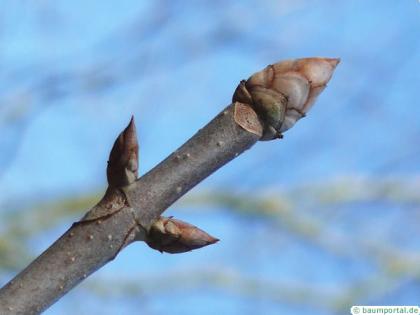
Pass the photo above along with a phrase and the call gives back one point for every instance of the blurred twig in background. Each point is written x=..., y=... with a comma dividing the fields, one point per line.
x=392, y=264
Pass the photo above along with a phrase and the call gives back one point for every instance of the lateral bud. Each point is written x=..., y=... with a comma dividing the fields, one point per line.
x=175, y=236
x=284, y=92
x=122, y=167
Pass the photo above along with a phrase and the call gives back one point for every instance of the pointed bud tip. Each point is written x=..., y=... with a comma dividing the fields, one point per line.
x=132, y=124
x=130, y=134
x=213, y=240
x=333, y=61
x=122, y=167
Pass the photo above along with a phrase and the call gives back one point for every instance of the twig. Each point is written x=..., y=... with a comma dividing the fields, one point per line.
x=263, y=107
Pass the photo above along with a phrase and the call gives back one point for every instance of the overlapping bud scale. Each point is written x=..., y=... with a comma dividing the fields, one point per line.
x=284, y=92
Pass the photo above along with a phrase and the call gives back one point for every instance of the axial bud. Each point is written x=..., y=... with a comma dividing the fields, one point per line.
x=283, y=93
x=122, y=167
x=175, y=236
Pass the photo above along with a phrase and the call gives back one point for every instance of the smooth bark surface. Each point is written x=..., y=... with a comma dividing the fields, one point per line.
x=209, y=149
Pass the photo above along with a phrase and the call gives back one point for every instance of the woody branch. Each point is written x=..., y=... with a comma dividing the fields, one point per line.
x=263, y=107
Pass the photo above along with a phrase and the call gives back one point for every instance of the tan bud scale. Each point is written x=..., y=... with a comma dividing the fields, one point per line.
x=175, y=236
x=122, y=167
x=284, y=92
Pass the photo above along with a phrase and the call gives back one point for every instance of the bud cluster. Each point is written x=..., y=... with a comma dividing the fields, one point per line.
x=284, y=92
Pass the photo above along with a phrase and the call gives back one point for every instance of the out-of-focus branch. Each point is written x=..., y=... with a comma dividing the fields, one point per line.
x=263, y=107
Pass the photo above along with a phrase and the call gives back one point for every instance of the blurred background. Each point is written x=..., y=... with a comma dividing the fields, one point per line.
x=324, y=219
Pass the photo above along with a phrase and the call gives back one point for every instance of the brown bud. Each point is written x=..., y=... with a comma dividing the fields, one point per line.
x=283, y=93
x=122, y=167
x=175, y=236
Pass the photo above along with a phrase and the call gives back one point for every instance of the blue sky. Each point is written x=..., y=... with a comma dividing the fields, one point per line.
x=72, y=74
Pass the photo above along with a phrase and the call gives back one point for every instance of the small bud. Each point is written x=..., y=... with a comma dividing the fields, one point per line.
x=122, y=167
x=283, y=93
x=175, y=236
